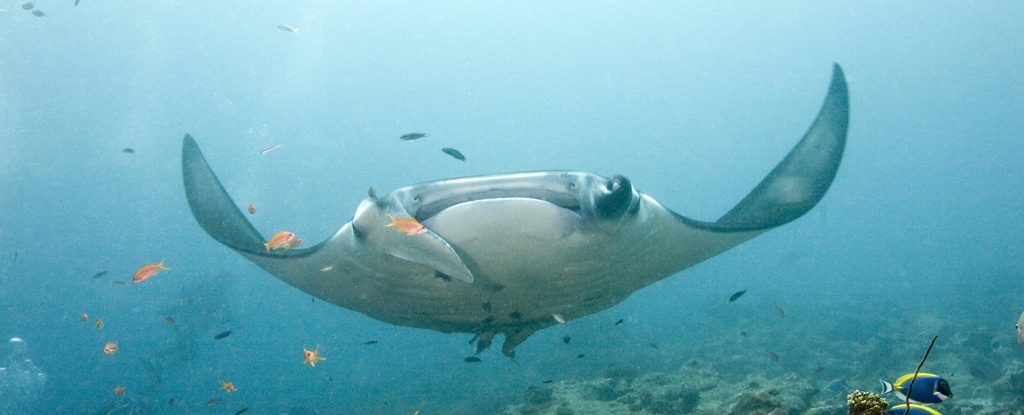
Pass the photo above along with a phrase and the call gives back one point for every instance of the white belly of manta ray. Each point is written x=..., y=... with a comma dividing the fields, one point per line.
x=513, y=254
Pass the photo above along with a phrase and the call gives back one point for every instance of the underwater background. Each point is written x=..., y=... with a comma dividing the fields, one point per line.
x=919, y=235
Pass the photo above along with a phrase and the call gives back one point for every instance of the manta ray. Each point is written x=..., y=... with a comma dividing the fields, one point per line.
x=512, y=254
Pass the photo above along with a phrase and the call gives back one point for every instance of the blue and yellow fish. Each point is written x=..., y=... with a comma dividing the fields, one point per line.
x=928, y=389
x=914, y=409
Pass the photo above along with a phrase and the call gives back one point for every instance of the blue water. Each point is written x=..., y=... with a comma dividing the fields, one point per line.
x=694, y=102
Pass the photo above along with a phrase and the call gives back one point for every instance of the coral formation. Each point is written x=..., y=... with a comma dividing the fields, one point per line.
x=866, y=403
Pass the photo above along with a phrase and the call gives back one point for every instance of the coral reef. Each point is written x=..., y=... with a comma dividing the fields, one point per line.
x=866, y=403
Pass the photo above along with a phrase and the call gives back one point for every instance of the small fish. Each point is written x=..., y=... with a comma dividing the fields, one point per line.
x=914, y=410
x=547, y=381
x=294, y=243
x=566, y=339
x=454, y=153
x=310, y=358
x=99, y=324
x=170, y=402
x=99, y=274
x=287, y=28
x=408, y=226
x=76, y=2
x=148, y=271
x=412, y=136
x=836, y=385
x=252, y=209
x=279, y=240
x=38, y=13
x=1020, y=329
x=169, y=321
x=737, y=296
x=312, y=300
x=580, y=356
x=928, y=388
x=558, y=318
x=773, y=356
x=744, y=333
x=472, y=359
x=370, y=342
x=270, y=149
x=654, y=345
x=119, y=390
x=212, y=402
x=28, y=6
x=819, y=369
x=15, y=258
x=110, y=348
x=230, y=387
x=128, y=151
x=372, y=193
x=117, y=282
x=619, y=322
x=242, y=411
x=84, y=317
x=779, y=311
x=222, y=335
x=327, y=268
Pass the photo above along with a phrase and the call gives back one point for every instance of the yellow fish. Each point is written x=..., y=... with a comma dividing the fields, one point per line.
x=408, y=226
x=310, y=358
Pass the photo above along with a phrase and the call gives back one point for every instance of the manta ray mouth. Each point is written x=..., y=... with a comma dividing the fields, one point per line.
x=585, y=195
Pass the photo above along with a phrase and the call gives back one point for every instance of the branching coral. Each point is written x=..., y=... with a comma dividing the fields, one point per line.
x=866, y=403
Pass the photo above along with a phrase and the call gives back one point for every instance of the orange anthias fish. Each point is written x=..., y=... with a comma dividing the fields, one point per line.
x=84, y=317
x=110, y=348
x=118, y=391
x=99, y=323
x=280, y=240
x=252, y=209
x=227, y=385
x=148, y=271
x=294, y=243
x=312, y=357
x=408, y=226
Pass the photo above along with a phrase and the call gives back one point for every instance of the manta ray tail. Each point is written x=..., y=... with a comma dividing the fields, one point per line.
x=801, y=179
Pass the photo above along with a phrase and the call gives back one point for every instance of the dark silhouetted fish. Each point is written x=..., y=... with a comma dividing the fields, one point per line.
x=370, y=342
x=619, y=322
x=580, y=356
x=737, y=296
x=473, y=359
x=779, y=311
x=454, y=153
x=412, y=136
x=222, y=335
x=128, y=150
x=99, y=274
x=566, y=339
x=28, y=6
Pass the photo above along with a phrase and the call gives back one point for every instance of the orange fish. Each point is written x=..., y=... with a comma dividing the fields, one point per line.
x=312, y=357
x=408, y=226
x=118, y=391
x=84, y=317
x=110, y=348
x=227, y=385
x=280, y=240
x=148, y=271
x=252, y=209
x=294, y=243
x=99, y=323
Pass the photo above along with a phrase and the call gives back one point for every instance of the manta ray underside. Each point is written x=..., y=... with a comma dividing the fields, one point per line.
x=505, y=253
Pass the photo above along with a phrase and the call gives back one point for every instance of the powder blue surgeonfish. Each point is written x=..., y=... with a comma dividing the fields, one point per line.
x=914, y=410
x=502, y=254
x=928, y=388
